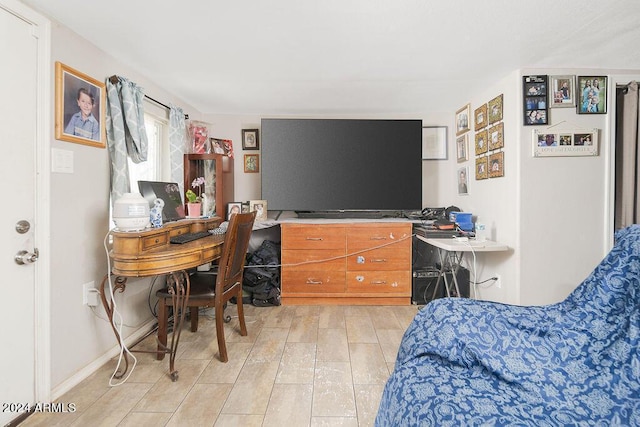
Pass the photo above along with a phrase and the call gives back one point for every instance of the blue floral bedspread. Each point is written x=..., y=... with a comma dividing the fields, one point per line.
x=477, y=363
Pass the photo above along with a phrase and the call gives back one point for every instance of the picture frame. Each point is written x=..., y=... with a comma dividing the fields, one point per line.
x=250, y=139
x=73, y=89
x=462, y=148
x=233, y=208
x=480, y=117
x=481, y=143
x=260, y=207
x=434, y=143
x=462, y=119
x=481, y=168
x=495, y=109
x=496, y=164
x=221, y=146
x=495, y=136
x=536, y=106
x=251, y=163
x=562, y=91
x=569, y=142
x=592, y=97
x=463, y=180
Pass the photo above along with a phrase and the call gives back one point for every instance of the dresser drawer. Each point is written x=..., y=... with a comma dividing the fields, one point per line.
x=397, y=282
x=312, y=282
x=305, y=236
x=385, y=235
x=388, y=258
x=150, y=242
x=323, y=259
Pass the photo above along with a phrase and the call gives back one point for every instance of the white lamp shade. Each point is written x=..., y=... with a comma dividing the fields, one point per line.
x=131, y=212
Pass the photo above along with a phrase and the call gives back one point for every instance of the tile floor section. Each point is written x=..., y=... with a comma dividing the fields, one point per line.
x=298, y=366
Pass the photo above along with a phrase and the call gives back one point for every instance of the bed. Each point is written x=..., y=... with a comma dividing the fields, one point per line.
x=464, y=362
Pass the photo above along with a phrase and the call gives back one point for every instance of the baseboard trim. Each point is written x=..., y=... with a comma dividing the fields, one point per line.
x=92, y=367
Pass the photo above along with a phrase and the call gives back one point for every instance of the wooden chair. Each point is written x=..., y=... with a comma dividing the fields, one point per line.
x=214, y=289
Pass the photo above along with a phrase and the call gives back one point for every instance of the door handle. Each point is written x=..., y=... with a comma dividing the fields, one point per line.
x=24, y=257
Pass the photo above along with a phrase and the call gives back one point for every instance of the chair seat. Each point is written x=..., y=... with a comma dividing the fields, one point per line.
x=201, y=286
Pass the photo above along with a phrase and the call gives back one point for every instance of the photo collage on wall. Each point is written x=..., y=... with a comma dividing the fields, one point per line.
x=489, y=139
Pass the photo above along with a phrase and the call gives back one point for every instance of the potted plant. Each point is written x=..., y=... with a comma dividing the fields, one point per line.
x=194, y=201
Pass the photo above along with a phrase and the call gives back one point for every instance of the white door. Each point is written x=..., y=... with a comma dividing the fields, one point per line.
x=19, y=133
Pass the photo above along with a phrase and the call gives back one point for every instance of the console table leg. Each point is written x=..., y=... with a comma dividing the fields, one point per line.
x=108, y=304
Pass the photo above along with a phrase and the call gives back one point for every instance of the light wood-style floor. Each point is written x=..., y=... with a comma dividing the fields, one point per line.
x=298, y=366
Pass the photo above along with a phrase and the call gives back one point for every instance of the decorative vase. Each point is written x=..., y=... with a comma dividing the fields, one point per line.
x=193, y=210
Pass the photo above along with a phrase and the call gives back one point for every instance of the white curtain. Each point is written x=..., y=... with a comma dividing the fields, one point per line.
x=126, y=133
x=627, y=209
x=177, y=143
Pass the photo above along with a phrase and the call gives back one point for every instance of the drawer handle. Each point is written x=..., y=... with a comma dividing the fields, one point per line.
x=157, y=240
x=378, y=238
x=378, y=260
x=315, y=238
x=378, y=282
x=314, y=282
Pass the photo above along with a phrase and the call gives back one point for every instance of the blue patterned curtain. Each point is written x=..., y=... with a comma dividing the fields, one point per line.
x=177, y=142
x=126, y=133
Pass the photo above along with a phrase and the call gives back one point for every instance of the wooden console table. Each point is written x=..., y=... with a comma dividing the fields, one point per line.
x=150, y=253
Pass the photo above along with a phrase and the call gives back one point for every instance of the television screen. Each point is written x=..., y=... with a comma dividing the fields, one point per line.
x=342, y=164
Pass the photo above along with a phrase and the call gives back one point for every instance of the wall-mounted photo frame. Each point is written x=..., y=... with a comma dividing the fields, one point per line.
x=80, y=108
x=496, y=164
x=593, y=95
x=480, y=117
x=482, y=144
x=434, y=143
x=462, y=148
x=495, y=109
x=571, y=142
x=233, y=208
x=250, y=139
x=562, y=91
x=481, y=168
x=462, y=119
x=260, y=208
x=495, y=135
x=536, y=107
x=463, y=180
x=251, y=163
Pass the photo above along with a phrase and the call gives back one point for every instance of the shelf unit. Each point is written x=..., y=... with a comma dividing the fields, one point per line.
x=196, y=165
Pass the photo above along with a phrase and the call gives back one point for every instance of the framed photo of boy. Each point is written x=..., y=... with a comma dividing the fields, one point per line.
x=250, y=139
x=592, y=92
x=80, y=107
x=562, y=91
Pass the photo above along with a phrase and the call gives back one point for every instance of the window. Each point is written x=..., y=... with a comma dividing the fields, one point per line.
x=152, y=169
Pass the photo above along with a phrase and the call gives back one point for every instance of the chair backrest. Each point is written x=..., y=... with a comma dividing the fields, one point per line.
x=234, y=251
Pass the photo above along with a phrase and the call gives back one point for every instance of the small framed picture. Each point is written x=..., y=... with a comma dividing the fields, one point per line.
x=481, y=168
x=462, y=119
x=534, y=91
x=562, y=91
x=496, y=164
x=495, y=134
x=463, y=180
x=80, y=108
x=434, y=143
x=480, y=115
x=250, y=139
x=495, y=109
x=462, y=148
x=481, y=142
x=245, y=207
x=260, y=208
x=570, y=142
x=251, y=163
x=233, y=208
x=593, y=95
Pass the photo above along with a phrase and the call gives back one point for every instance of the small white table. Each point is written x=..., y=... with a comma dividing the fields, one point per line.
x=451, y=252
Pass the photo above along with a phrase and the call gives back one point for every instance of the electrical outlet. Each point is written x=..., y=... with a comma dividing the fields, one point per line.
x=90, y=294
x=498, y=281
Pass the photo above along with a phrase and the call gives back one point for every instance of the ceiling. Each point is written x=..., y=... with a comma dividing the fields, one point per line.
x=340, y=57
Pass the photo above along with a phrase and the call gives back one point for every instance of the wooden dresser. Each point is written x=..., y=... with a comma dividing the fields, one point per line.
x=364, y=263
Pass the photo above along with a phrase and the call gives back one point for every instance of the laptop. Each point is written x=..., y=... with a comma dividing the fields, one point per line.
x=169, y=192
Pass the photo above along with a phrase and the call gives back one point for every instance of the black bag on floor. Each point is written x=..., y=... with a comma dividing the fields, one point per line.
x=262, y=282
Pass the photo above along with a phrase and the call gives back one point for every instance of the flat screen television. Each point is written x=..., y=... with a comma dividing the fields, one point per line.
x=342, y=165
